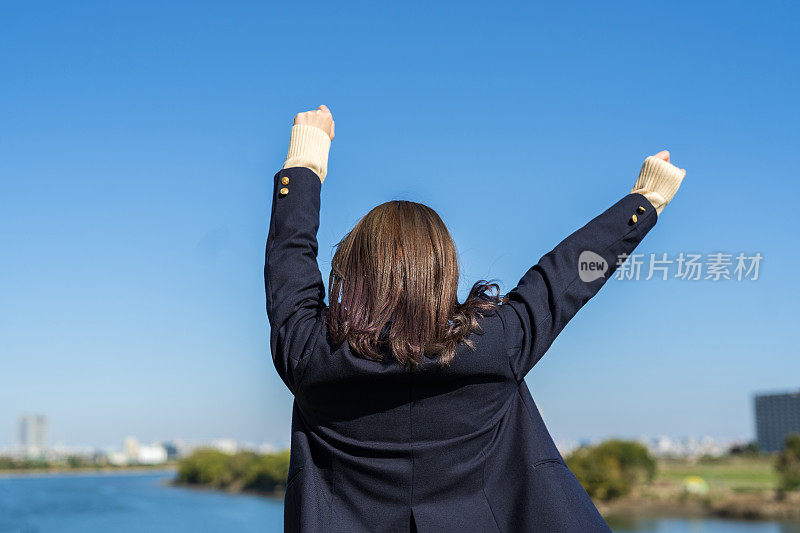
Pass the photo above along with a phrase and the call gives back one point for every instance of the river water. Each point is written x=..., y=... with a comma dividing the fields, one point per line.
x=144, y=502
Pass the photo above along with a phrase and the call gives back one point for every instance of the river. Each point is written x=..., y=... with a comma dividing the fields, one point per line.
x=143, y=501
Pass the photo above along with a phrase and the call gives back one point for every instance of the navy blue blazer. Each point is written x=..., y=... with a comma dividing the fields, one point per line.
x=375, y=447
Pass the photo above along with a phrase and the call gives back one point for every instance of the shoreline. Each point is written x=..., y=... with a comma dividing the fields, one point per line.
x=62, y=471
x=276, y=495
x=767, y=505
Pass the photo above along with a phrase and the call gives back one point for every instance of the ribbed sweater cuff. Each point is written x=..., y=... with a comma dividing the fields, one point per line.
x=309, y=147
x=658, y=182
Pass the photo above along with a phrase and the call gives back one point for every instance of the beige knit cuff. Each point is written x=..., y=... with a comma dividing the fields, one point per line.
x=658, y=182
x=309, y=147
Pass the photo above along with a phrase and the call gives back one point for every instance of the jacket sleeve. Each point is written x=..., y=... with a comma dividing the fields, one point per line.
x=553, y=290
x=294, y=288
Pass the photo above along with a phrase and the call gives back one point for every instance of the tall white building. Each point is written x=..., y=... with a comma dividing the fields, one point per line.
x=33, y=434
x=131, y=446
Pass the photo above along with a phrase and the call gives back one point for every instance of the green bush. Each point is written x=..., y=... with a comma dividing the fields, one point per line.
x=204, y=467
x=788, y=463
x=612, y=468
x=7, y=463
x=268, y=473
x=77, y=461
x=239, y=471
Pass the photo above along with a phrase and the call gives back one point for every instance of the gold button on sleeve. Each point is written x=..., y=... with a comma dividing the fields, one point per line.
x=640, y=209
x=285, y=180
x=634, y=218
x=284, y=191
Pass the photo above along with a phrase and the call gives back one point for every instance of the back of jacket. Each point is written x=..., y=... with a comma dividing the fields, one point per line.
x=378, y=447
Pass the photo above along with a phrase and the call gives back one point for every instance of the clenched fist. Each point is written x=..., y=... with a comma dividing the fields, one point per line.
x=319, y=118
x=659, y=180
x=664, y=156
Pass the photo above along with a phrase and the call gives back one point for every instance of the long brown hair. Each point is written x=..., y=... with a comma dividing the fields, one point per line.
x=394, y=282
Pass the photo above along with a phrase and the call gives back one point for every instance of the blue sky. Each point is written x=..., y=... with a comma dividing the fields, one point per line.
x=138, y=143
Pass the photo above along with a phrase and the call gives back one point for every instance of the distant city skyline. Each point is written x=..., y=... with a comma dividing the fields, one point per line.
x=133, y=451
x=129, y=445
x=136, y=169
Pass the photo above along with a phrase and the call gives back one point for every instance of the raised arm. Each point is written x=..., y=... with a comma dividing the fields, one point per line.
x=553, y=290
x=294, y=288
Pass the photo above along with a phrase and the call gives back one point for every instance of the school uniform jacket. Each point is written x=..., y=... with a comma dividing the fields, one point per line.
x=376, y=447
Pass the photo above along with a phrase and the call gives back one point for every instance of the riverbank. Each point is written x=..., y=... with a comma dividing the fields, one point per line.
x=62, y=470
x=275, y=495
x=667, y=501
x=242, y=472
x=742, y=488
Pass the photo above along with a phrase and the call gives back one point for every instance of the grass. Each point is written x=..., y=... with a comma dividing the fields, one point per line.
x=737, y=473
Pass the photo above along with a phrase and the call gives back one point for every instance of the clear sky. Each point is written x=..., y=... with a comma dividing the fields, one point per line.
x=138, y=143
